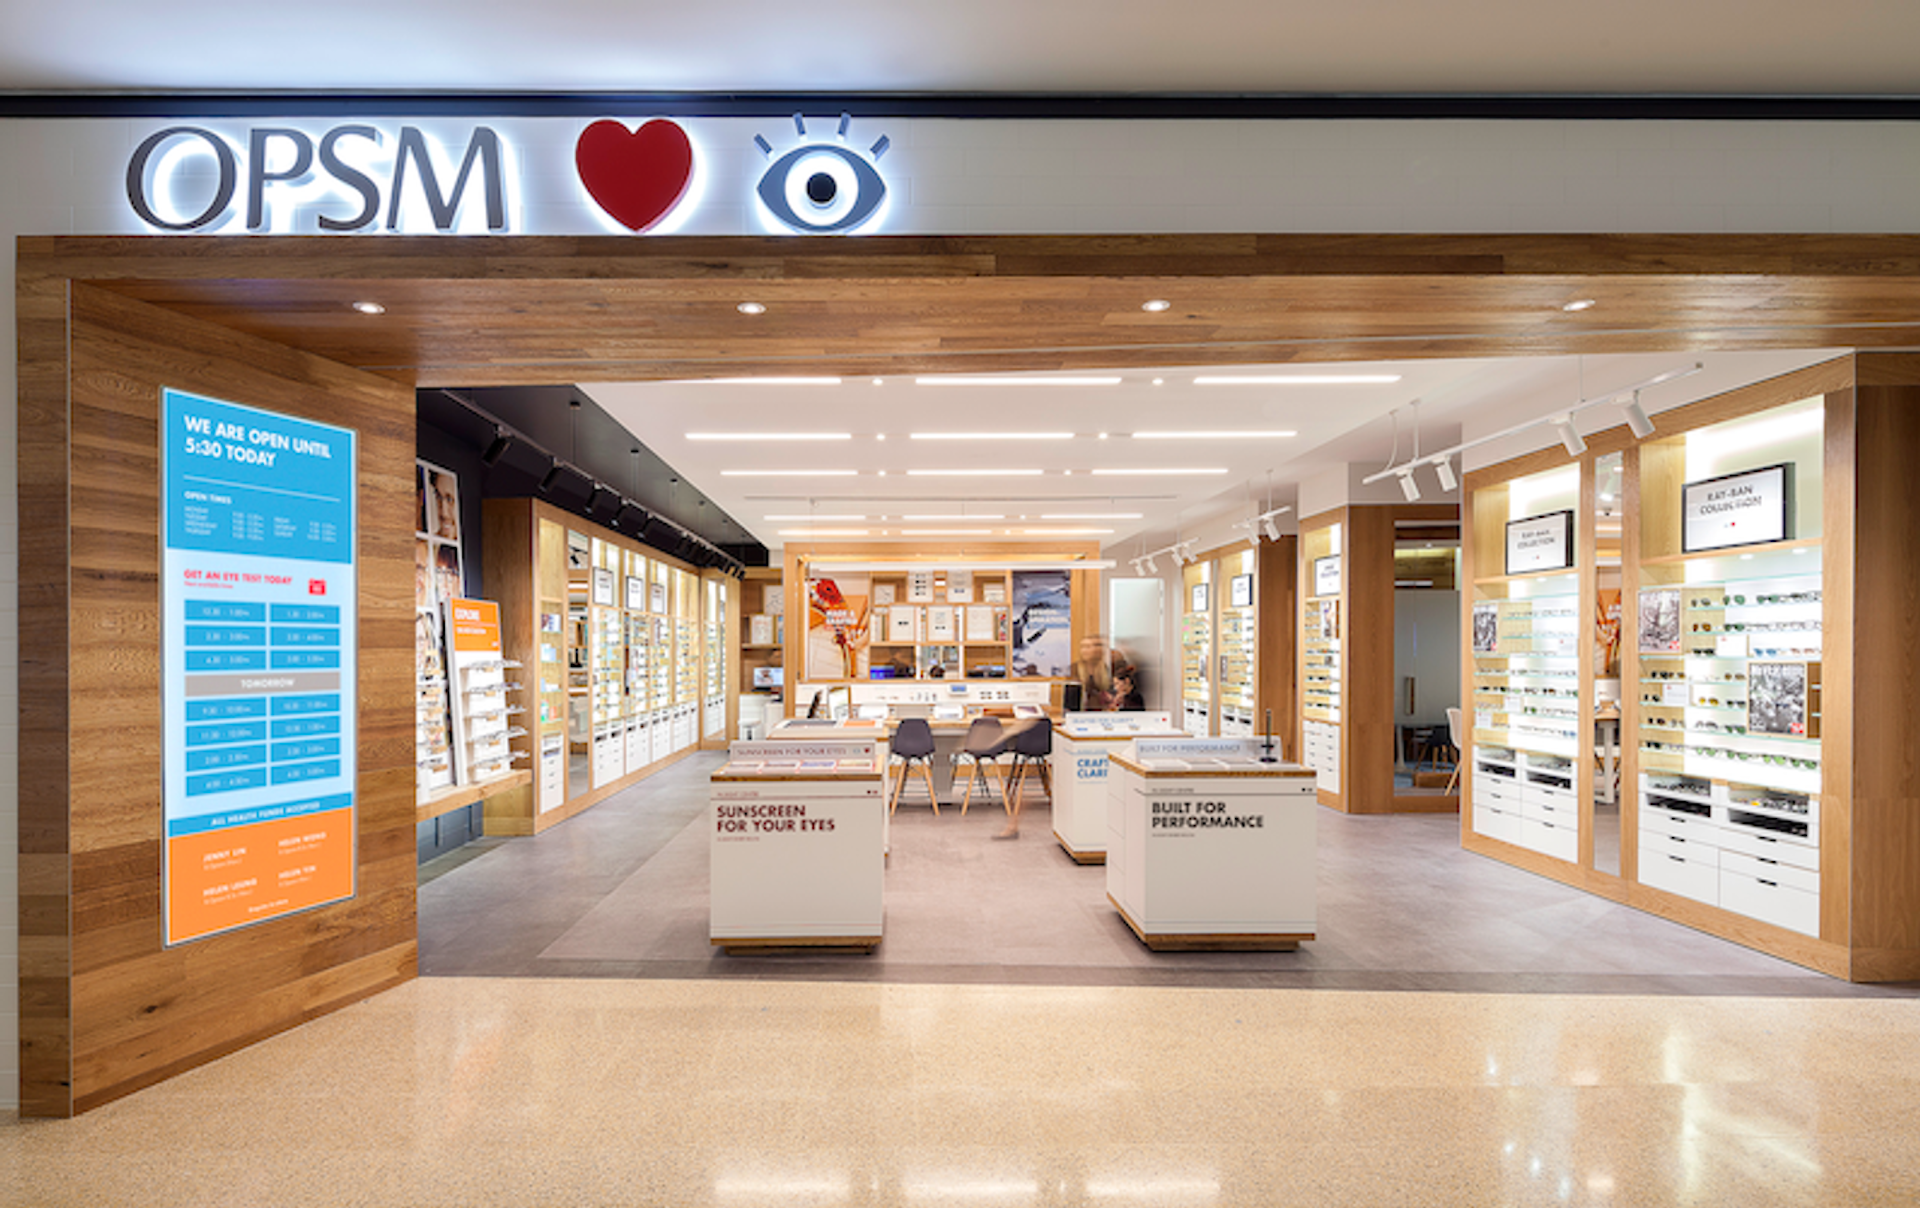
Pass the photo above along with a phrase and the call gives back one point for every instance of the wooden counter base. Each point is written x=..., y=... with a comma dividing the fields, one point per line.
x=1167, y=942
x=863, y=944
x=462, y=796
x=1079, y=857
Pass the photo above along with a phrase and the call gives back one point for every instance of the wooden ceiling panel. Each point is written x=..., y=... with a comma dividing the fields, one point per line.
x=501, y=311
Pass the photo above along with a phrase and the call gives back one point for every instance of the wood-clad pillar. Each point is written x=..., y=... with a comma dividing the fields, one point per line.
x=107, y=1008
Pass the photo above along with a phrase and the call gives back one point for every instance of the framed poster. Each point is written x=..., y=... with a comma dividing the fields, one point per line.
x=1197, y=598
x=1660, y=621
x=1753, y=507
x=940, y=624
x=959, y=587
x=919, y=587
x=636, y=593
x=882, y=594
x=1486, y=627
x=657, y=597
x=439, y=501
x=1543, y=542
x=1240, y=591
x=259, y=656
x=1326, y=575
x=837, y=633
x=1780, y=698
x=1041, y=623
x=1330, y=619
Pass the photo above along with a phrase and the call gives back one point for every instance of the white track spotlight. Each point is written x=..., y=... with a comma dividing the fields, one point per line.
x=1569, y=435
x=1253, y=536
x=1637, y=418
x=1153, y=568
x=1444, y=468
x=1408, y=486
x=1273, y=530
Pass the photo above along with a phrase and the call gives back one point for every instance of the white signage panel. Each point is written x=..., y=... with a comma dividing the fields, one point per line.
x=1540, y=543
x=1749, y=508
x=1326, y=575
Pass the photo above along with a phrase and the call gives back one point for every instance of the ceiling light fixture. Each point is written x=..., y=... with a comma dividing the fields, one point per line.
x=991, y=436
x=752, y=308
x=1217, y=434
x=974, y=473
x=1444, y=468
x=1111, y=470
x=818, y=516
x=1569, y=435
x=973, y=516
x=789, y=473
x=1562, y=423
x=1017, y=381
x=1090, y=515
x=1302, y=379
x=1156, y=305
x=1408, y=486
x=1579, y=304
x=824, y=532
x=769, y=436
x=1638, y=421
x=1273, y=530
x=946, y=532
x=370, y=308
x=1064, y=532
x=498, y=449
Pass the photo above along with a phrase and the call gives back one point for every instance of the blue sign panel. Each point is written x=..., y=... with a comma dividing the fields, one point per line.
x=258, y=660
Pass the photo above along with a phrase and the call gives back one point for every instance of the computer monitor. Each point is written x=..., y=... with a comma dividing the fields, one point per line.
x=1070, y=698
x=768, y=677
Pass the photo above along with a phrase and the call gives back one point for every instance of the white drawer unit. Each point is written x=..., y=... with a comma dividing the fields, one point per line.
x=1556, y=839
x=1495, y=819
x=1695, y=876
x=1759, y=892
x=1773, y=848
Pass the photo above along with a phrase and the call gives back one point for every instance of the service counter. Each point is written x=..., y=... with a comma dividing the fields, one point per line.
x=797, y=840
x=1081, y=781
x=1208, y=848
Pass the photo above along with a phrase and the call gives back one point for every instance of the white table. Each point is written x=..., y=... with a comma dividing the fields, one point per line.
x=1081, y=742
x=1209, y=851
x=797, y=837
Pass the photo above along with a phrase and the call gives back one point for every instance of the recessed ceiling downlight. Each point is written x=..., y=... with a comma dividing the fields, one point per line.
x=1579, y=304
x=370, y=308
x=1156, y=305
x=752, y=308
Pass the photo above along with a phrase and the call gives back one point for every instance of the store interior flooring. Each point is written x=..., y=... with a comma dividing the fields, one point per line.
x=620, y=892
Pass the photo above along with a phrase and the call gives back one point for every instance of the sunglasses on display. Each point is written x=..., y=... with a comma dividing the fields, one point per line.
x=1703, y=603
x=1798, y=597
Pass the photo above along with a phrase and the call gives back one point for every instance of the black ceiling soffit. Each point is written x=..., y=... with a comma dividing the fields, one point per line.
x=989, y=106
x=557, y=444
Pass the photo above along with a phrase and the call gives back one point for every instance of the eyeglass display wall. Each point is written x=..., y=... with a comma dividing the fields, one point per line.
x=1322, y=573
x=613, y=638
x=1767, y=653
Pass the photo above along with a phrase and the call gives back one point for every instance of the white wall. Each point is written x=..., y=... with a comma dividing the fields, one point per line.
x=960, y=177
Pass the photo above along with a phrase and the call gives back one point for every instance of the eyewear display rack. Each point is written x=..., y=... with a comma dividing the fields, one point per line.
x=1768, y=650
x=1196, y=648
x=608, y=637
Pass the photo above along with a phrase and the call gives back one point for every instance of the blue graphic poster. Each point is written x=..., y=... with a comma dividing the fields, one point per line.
x=1042, y=614
x=258, y=657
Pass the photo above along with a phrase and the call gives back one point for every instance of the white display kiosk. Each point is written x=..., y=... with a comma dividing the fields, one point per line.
x=1209, y=848
x=1081, y=779
x=797, y=836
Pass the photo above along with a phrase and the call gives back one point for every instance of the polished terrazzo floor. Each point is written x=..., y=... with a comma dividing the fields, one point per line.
x=1462, y=1034
x=523, y=1091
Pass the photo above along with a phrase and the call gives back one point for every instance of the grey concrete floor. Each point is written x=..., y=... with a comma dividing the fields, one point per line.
x=621, y=891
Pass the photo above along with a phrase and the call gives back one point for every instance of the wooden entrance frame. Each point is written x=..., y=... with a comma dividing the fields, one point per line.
x=104, y=1009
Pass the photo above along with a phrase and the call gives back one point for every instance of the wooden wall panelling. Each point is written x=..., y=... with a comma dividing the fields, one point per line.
x=1277, y=592
x=138, y=1011
x=1885, y=637
x=509, y=538
x=1585, y=556
x=46, y=964
x=1366, y=637
x=1847, y=534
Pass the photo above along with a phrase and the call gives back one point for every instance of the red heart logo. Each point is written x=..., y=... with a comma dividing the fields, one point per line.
x=637, y=176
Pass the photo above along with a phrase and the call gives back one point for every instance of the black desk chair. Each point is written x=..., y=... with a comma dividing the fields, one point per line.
x=913, y=743
x=984, y=747
x=1032, y=751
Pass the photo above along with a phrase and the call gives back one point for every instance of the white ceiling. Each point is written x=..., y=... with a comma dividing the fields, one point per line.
x=1335, y=425
x=1765, y=47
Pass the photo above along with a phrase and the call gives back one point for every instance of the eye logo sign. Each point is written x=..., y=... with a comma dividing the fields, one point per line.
x=636, y=176
x=822, y=188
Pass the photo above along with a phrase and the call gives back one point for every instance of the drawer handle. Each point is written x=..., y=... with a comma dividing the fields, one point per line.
x=1762, y=859
x=1770, y=884
x=1672, y=838
x=1677, y=859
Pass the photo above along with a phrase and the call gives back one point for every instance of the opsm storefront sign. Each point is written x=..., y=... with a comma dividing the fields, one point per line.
x=404, y=178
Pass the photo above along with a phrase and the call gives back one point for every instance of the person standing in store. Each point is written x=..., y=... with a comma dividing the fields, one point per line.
x=1126, y=690
x=1094, y=670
